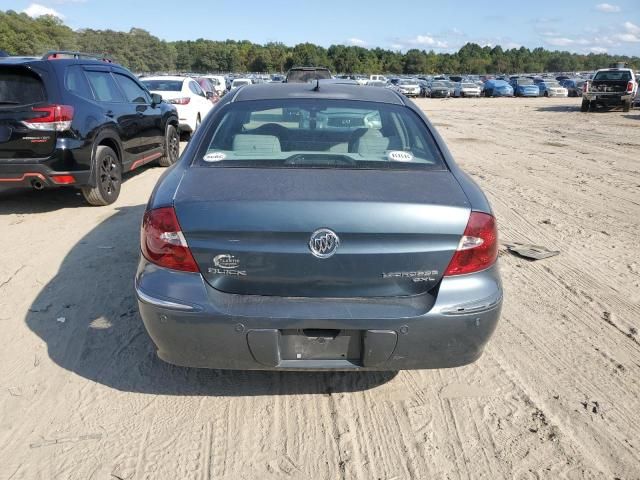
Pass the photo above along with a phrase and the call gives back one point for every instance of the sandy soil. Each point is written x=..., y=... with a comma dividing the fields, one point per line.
x=556, y=394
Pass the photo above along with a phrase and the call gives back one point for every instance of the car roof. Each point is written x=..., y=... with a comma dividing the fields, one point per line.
x=57, y=61
x=167, y=77
x=326, y=90
x=623, y=69
x=17, y=60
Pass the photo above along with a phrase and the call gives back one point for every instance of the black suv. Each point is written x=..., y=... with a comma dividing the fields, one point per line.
x=72, y=119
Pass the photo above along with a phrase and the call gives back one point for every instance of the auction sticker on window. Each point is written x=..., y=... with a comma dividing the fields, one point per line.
x=400, y=156
x=214, y=157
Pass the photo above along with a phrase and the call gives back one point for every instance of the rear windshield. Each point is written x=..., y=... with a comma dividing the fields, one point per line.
x=319, y=133
x=613, y=76
x=163, y=85
x=525, y=81
x=19, y=86
x=305, y=76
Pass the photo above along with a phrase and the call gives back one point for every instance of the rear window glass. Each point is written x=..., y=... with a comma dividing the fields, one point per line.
x=163, y=85
x=20, y=87
x=322, y=133
x=304, y=76
x=612, y=76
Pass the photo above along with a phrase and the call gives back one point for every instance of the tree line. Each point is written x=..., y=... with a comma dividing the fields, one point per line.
x=140, y=51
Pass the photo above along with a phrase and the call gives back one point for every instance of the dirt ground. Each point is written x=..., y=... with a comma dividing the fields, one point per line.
x=556, y=394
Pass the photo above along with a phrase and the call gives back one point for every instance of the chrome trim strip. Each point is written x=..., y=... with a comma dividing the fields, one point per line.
x=158, y=302
x=475, y=306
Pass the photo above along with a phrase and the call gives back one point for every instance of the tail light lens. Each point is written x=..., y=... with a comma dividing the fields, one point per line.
x=478, y=247
x=180, y=101
x=585, y=87
x=163, y=243
x=630, y=87
x=54, y=118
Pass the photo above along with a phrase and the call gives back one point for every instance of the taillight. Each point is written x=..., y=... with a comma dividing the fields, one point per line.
x=585, y=87
x=478, y=247
x=630, y=87
x=163, y=243
x=180, y=101
x=55, y=117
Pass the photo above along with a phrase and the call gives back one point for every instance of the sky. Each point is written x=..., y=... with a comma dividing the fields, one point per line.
x=581, y=26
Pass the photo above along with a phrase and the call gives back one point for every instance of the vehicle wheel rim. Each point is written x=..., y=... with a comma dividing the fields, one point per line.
x=109, y=175
x=174, y=146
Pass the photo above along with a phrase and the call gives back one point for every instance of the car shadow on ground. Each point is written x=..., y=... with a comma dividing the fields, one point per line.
x=87, y=315
x=559, y=108
x=29, y=200
x=632, y=117
x=576, y=108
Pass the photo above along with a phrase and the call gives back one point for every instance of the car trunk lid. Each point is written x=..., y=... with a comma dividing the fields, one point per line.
x=22, y=90
x=249, y=229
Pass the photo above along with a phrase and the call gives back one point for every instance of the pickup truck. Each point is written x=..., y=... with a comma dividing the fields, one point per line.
x=610, y=87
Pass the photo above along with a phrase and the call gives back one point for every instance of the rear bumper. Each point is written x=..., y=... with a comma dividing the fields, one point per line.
x=30, y=174
x=194, y=325
x=70, y=158
x=608, y=99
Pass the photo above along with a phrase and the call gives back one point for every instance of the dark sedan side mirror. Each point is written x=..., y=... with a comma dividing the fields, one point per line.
x=156, y=99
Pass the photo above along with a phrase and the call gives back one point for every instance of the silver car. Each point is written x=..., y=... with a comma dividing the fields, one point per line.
x=318, y=226
x=466, y=89
x=551, y=88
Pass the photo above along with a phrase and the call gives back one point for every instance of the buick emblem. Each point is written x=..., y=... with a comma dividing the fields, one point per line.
x=324, y=243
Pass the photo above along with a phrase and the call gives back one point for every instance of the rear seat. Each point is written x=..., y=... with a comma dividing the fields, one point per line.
x=252, y=144
x=372, y=142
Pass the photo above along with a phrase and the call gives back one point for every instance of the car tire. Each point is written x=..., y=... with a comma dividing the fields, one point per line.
x=626, y=106
x=585, y=105
x=171, y=147
x=108, y=178
x=546, y=94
